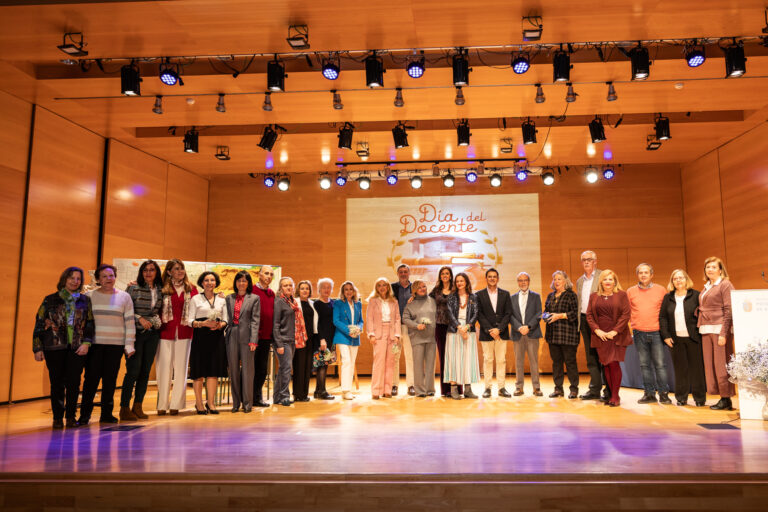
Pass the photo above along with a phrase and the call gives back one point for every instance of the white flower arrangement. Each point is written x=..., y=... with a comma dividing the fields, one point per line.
x=396, y=348
x=749, y=368
x=354, y=331
x=425, y=321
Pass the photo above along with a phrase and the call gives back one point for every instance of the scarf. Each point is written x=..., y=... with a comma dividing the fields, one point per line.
x=298, y=316
x=167, y=313
x=69, y=307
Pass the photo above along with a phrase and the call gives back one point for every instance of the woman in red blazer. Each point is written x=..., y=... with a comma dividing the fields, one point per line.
x=608, y=317
x=383, y=325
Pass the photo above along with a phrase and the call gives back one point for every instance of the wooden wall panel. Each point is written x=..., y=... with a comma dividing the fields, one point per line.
x=15, y=126
x=134, y=225
x=61, y=229
x=186, y=215
x=636, y=216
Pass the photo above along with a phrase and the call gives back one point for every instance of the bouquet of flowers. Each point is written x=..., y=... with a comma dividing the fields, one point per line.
x=749, y=368
x=354, y=331
x=396, y=348
x=425, y=321
x=323, y=358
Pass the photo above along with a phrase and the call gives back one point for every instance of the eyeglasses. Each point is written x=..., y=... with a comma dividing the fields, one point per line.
x=587, y=259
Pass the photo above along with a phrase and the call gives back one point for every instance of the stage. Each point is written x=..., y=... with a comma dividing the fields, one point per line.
x=403, y=453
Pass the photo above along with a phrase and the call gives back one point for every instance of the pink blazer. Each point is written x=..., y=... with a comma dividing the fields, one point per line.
x=715, y=307
x=373, y=317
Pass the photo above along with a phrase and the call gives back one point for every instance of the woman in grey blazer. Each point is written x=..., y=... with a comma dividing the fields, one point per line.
x=242, y=335
x=289, y=333
x=420, y=316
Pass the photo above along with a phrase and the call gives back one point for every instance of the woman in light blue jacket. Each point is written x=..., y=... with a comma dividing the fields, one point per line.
x=348, y=320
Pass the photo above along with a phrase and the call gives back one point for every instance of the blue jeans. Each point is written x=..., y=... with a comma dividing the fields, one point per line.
x=650, y=350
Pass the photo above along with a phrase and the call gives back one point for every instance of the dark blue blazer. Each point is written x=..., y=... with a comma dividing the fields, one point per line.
x=532, y=316
x=342, y=321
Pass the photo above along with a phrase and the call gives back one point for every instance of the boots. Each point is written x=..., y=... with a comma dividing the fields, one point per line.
x=468, y=392
x=138, y=411
x=127, y=415
x=723, y=405
x=455, y=392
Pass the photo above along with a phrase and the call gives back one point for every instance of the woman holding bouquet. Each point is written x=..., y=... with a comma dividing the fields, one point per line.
x=348, y=320
x=207, y=315
x=302, y=357
x=324, y=352
x=461, y=364
x=383, y=321
x=290, y=333
x=419, y=316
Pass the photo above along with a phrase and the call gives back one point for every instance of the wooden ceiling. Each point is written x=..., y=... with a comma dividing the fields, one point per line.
x=706, y=110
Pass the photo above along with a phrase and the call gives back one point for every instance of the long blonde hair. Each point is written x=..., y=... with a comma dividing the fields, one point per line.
x=389, y=295
x=688, y=280
x=341, y=291
x=167, y=281
x=606, y=273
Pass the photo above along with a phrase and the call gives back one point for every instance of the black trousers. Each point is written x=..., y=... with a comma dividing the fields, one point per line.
x=261, y=366
x=302, y=372
x=564, y=354
x=64, y=370
x=138, y=366
x=102, y=365
x=688, y=361
x=596, y=370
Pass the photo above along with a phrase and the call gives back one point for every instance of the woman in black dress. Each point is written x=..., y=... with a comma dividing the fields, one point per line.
x=442, y=290
x=302, y=358
x=322, y=344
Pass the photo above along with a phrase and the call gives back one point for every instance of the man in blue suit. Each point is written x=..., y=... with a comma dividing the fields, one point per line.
x=526, y=331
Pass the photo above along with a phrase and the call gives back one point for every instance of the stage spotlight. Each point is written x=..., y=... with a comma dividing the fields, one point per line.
x=548, y=178
x=608, y=173
x=220, y=107
x=459, y=99
x=596, y=130
x=269, y=181
x=652, y=144
x=495, y=180
x=374, y=71
x=268, y=138
x=399, y=97
x=448, y=180
x=521, y=175
x=222, y=153
x=611, y=92
x=158, y=107
x=661, y=126
x=735, y=62
x=392, y=178
x=415, y=67
x=283, y=183
x=521, y=64
x=532, y=31
x=570, y=96
x=540, y=98
x=363, y=151
x=561, y=66
x=73, y=46
x=130, y=80
x=641, y=63
x=695, y=57
x=416, y=182
x=298, y=37
x=267, y=105
x=591, y=175
x=169, y=74
x=345, y=136
x=337, y=104
x=400, y=136
x=276, y=75
x=325, y=181
x=529, y=132
x=364, y=182
x=341, y=179
x=470, y=176
x=462, y=133
x=331, y=69
x=461, y=68
x=191, y=141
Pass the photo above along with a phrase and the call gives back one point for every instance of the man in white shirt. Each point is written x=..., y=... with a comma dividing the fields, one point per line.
x=494, y=311
x=585, y=286
x=526, y=331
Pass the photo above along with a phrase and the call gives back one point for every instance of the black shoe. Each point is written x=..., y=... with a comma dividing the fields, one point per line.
x=260, y=403
x=83, y=422
x=700, y=403
x=210, y=411
x=285, y=403
x=723, y=405
x=58, y=424
x=108, y=419
x=247, y=409
x=304, y=399
x=421, y=395
x=557, y=393
x=487, y=393
x=326, y=396
x=430, y=393
x=394, y=390
x=503, y=392
x=573, y=395
x=71, y=423
x=201, y=413
x=411, y=391
x=235, y=408
x=664, y=398
x=316, y=394
x=590, y=396
x=682, y=403
x=648, y=399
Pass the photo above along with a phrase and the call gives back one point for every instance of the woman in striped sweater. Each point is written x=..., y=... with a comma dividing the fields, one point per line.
x=115, y=334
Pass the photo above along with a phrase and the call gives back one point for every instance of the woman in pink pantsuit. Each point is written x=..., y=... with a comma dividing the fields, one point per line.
x=383, y=325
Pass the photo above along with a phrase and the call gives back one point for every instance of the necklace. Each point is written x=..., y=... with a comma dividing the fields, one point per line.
x=211, y=303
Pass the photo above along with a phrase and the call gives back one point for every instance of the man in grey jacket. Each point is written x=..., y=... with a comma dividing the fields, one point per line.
x=585, y=286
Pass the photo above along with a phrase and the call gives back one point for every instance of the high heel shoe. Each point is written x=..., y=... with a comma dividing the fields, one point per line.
x=203, y=412
x=210, y=411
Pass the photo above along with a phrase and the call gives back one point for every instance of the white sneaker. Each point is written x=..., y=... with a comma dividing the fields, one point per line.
x=347, y=395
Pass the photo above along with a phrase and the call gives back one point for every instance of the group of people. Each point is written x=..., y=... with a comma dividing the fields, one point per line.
x=163, y=317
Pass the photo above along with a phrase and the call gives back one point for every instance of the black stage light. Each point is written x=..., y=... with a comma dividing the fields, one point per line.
x=298, y=37
x=283, y=183
x=461, y=68
x=570, y=96
x=495, y=180
x=416, y=67
x=331, y=69
x=532, y=28
x=596, y=130
x=735, y=62
x=400, y=136
x=611, y=92
x=222, y=153
x=268, y=138
x=169, y=74
x=276, y=75
x=337, y=104
x=529, y=132
x=641, y=63
x=548, y=178
x=72, y=44
x=325, y=181
x=364, y=182
x=269, y=181
x=521, y=64
x=695, y=57
x=561, y=66
x=651, y=143
x=662, y=128
x=449, y=180
x=540, y=98
x=462, y=133
x=374, y=71
x=220, y=106
x=190, y=141
x=416, y=182
x=267, y=105
x=399, y=97
x=459, y=99
x=158, y=107
x=345, y=136
x=130, y=80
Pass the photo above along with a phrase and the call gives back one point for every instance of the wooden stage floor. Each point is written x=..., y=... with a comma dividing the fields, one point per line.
x=497, y=440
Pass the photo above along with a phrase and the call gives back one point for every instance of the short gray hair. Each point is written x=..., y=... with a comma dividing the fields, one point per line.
x=324, y=280
x=637, y=268
x=568, y=283
x=526, y=274
x=589, y=253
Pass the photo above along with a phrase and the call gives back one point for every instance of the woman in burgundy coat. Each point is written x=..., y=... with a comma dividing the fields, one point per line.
x=608, y=317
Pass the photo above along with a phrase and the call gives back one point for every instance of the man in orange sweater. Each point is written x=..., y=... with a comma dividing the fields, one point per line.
x=645, y=301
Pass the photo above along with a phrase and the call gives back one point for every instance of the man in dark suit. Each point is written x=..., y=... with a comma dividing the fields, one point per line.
x=494, y=310
x=526, y=331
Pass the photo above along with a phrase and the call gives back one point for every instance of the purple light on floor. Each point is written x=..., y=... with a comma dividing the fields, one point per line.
x=270, y=163
x=607, y=154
